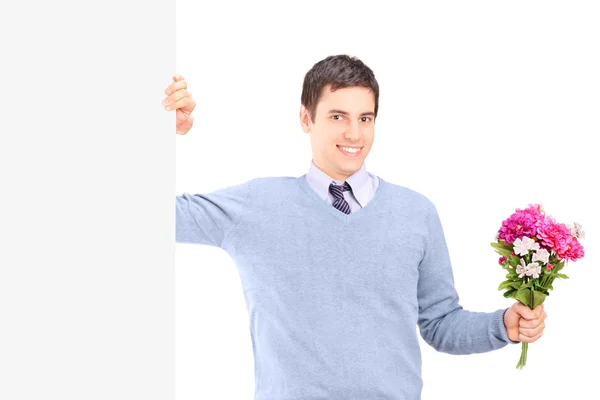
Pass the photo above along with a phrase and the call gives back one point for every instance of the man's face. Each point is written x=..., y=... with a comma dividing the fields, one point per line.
x=343, y=130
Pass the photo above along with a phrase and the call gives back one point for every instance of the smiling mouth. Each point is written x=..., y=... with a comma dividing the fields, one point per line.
x=350, y=151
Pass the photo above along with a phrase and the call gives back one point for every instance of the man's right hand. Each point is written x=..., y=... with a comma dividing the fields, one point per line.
x=180, y=100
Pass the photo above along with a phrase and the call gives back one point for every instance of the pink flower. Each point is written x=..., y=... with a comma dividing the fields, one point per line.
x=554, y=235
x=521, y=223
x=549, y=267
x=502, y=260
x=534, y=210
x=573, y=250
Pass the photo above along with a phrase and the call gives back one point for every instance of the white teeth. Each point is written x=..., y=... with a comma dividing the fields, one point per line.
x=350, y=150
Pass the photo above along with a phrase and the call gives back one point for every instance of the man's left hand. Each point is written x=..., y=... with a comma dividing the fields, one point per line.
x=524, y=324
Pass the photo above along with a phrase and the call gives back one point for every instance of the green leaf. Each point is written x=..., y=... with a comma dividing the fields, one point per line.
x=524, y=296
x=500, y=245
x=509, y=284
x=537, y=285
x=505, y=266
x=562, y=276
x=512, y=276
x=510, y=293
x=502, y=249
x=504, y=285
x=517, y=284
x=504, y=252
x=538, y=298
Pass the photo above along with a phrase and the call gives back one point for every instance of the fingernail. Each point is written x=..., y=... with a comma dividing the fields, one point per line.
x=168, y=108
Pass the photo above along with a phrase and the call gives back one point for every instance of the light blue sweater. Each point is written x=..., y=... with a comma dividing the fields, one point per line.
x=334, y=299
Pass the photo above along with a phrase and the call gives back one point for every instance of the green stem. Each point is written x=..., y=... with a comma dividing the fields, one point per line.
x=531, y=298
x=523, y=359
x=525, y=345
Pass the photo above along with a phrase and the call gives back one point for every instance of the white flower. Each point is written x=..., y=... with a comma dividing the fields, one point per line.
x=577, y=231
x=522, y=246
x=541, y=255
x=535, y=269
x=532, y=269
x=521, y=268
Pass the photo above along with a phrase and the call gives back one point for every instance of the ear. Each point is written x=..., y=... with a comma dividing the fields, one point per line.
x=305, y=121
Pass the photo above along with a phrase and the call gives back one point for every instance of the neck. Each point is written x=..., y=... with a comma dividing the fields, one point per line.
x=338, y=176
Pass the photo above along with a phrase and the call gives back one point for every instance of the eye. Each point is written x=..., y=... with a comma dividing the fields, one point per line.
x=335, y=117
x=366, y=119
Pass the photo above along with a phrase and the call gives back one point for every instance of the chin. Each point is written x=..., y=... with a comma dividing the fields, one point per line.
x=350, y=167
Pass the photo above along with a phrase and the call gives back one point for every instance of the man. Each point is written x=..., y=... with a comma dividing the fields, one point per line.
x=338, y=266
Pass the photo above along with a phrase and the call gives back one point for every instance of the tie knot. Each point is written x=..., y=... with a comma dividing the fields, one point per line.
x=338, y=190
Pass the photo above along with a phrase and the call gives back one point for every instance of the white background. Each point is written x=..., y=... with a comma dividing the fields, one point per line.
x=484, y=107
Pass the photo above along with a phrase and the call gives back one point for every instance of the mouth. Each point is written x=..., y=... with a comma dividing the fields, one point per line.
x=350, y=151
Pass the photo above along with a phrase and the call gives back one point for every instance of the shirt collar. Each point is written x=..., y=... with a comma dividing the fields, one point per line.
x=358, y=181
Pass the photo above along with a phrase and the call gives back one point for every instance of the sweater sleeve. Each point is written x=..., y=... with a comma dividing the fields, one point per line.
x=443, y=323
x=209, y=218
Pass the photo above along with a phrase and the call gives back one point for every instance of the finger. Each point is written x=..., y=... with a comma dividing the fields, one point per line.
x=182, y=117
x=530, y=323
x=184, y=123
x=524, y=311
x=538, y=311
x=177, y=76
x=186, y=104
x=175, y=96
x=523, y=338
x=178, y=85
x=529, y=332
x=178, y=95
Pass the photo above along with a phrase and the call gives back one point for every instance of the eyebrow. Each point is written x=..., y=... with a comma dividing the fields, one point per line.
x=369, y=113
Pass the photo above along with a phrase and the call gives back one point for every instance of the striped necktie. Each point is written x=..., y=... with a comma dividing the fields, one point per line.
x=338, y=195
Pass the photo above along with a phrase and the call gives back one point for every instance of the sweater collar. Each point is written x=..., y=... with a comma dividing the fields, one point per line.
x=358, y=181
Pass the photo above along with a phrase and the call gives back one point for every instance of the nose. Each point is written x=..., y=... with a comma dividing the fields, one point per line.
x=353, y=133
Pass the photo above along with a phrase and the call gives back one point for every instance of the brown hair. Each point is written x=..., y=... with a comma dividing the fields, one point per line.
x=339, y=71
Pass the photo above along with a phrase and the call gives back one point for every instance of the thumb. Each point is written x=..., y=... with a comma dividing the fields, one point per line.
x=523, y=310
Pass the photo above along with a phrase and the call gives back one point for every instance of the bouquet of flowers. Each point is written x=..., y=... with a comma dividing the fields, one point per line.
x=534, y=248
